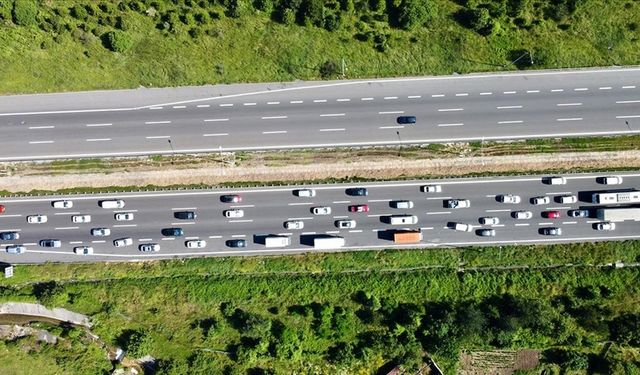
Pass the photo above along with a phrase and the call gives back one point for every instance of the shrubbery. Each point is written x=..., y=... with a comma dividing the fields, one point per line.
x=117, y=41
x=25, y=12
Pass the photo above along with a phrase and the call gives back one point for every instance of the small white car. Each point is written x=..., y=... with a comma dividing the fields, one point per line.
x=36, y=219
x=149, y=247
x=610, y=180
x=83, y=250
x=124, y=216
x=461, y=227
x=566, y=199
x=16, y=249
x=489, y=220
x=431, y=188
x=321, y=210
x=458, y=203
x=122, y=242
x=100, y=232
x=509, y=198
x=112, y=203
x=294, y=224
x=196, y=244
x=81, y=218
x=345, y=224
x=234, y=213
x=555, y=180
x=402, y=204
x=305, y=193
x=522, y=215
x=62, y=204
x=487, y=233
x=606, y=225
x=540, y=200
x=552, y=231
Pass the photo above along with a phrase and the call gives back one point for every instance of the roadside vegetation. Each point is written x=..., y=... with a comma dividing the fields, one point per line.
x=64, y=45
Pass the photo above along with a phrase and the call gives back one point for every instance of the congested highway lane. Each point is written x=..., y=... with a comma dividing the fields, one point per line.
x=327, y=114
x=266, y=209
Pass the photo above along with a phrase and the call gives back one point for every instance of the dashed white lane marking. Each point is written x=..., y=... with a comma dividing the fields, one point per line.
x=437, y=95
x=39, y=142
x=426, y=228
x=532, y=91
x=215, y=135
x=183, y=223
x=184, y=208
x=98, y=139
x=126, y=225
x=226, y=105
x=333, y=130
x=332, y=114
x=305, y=233
x=439, y=213
x=546, y=223
x=248, y=104
x=366, y=99
x=450, y=109
x=67, y=213
x=273, y=117
x=390, y=112
x=242, y=205
x=508, y=92
x=569, y=119
x=592, y=221
x=191, y=238
x=145, y=239
x=557, y=90
x=300, y=218
x=338, y=202
x=439, y=198
x=558, y=208
x=618, y=102
x=486, y=93
x=275, y=132
x=568, y=104
x=522, y=225
x=628, y=87
x=332, y=232
x=215, y=236
x=340, y=217
x=511, y=122
x=42, y=127
x=392, y=127
x=463, y=94
x=98, y=125
x=490, y=195
x=272, y=103
x=630, y=116
x=158, y=137
x=155, y=107
x=452, y=124
x=581, y=89
x=71, y=242
x=390, y=97
x=203, y=105
x=179, y=106
x=509, y=107
x=569, y=222
x=16, y=215
x=216, y=119
x=238, y=236
x=604, y=88
x=343, y=100
x=559, y=192
x=356, y=231
x=157, y=122
x=301, y=204
x=65, y=228
x=169, y=239
x=501, y=210
x=98, y=241
x=376, y=215
x=320, y=100
x=296, y=102
x=414, y=96
x=241, y=221
x=379, y=200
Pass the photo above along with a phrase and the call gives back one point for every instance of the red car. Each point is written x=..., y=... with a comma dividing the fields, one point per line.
x=359, y=208
x=231, y=198
x=552, y=214
x=1, y=209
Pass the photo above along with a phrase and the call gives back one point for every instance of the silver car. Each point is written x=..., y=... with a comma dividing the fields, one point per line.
x=294, y=224
x=522, y=215
x=489, y=220
x=83, y=250
x=322, y=210
x=149, y=247
x=487, y=232
x=100, y=232
x=458, y=203
x=196, y=244
x=36, y=219
x=124, y=216
x=345, y=224
x=81, y=219
x=122, y=242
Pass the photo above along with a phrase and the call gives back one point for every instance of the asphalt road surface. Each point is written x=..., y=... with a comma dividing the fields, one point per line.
x=266, y=209
x=321, y=114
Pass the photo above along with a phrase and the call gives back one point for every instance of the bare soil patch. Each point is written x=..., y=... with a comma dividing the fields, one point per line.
x=497, y=362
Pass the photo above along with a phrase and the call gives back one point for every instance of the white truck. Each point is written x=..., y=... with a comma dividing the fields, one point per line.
x=333, y=242
x=277, y=241
x=618, y=214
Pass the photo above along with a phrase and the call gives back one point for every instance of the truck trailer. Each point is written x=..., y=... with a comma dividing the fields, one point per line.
x=618, y=214
x=277, y=241
x=407, y=236
x=332, y=242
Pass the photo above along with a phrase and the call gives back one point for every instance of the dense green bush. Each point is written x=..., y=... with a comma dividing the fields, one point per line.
x=25, y=12
x=413, y=13
x=117, y=41
x=6, y=7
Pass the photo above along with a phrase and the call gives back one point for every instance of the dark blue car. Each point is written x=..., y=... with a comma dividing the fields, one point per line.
x=173, y=232
x=406, y=120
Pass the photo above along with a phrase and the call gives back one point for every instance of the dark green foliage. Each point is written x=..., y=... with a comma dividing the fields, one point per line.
x=412, y=13
x=25, y=12
x=263, y=5
x=311, y=12
x=286, y=345
x=329, y=69
x=566, y=359
x=625, y=329
x=481, y=21
x=79, y=12
x=341, y=354
x=332, y=21
x=136, y=342
x=6, y=7
x=117, y=41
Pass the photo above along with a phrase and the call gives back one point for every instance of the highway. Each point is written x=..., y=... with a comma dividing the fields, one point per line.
x=220, y=118
x=266, y=209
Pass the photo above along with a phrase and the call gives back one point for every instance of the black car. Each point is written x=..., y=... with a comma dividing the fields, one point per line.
x=357, y=192
x=185, y=215
x=173, y=232
x=406, y=120
x=236, y=243
x=8, y=236
x=50, y=243
x=578, y=213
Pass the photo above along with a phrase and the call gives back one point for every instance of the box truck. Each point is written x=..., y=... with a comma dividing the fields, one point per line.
x=407, y=236
x=333, y=242
x=277, y=241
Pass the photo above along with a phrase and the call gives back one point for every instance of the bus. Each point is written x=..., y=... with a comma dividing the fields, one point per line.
x=613, y=198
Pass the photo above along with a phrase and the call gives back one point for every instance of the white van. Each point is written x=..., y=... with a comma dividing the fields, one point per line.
x=277, y=241
x=402, y=204
x=112, y=203
x=567, y=199
x=403, y=219
x=611, y=180
x=555, y=180
x=305, y=193
x=462, y=227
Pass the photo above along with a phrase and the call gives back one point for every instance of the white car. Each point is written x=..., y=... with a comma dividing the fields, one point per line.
x=124, y=216
x=122, y=242
x=552, y=231
x=431, y=189
x=462, y=227
x=509, y=198
x=62, y=204
x=458, y=203
x=100, y=232
x=345, y=224
x=196, y=244
x=402, y=204
x=112, y=203
x=540, y=200
x=489, y=220
x=294, y=224
x=566, y=199
x=81, y=218
x=321, y=210
x=487, y=233
x=606, y=225
x=522, y=215
x=305, y=192
x=16, y=249
x=555, y=180
x=610, y=180
x=36, y=219
x=83, y=250
x=149, y=247
x=234, y=213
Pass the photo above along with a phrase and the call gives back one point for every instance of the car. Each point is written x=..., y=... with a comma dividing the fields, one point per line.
x=62, y=204
x=461, y=227
x=552, y=231
x=566, y=199
x=83, y=250
x=2, y=209
x=185, y=215
x=487, y=232
x=540, y=200
x=112, y=203
x=294, y=224
x=406, y=120
x=149, y=247
x=578, y=213
x=36, y=219
x=81, y=218
x=431, y=188
x=458, y=203
x=509, y=198
x=489, y=220
x=551, y=214
x=50, y=243
x=401, y=204
x=609, y=180
x=100, y=232
x=172, y=232
x=122, y=242
x=231, y=198
x=233, y=214
x=123, y=216
x=321, y=210
x=357, y=192
x=345, y=224
x=554, y=180
x=195, y=244
x=236, y=243
x=16, y=249
x=9, y=236
x=605, y=225
x=305, y=192
x=359, y=208
x=522, y=215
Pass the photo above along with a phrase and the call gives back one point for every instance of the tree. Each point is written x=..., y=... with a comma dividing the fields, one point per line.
x=412, y=13
x=312, y=12
x=480, y=20
x=287, y=345
x=341, y=354
x=625, y=329
x=252, y=325
x=117, y=41
x=25, y=12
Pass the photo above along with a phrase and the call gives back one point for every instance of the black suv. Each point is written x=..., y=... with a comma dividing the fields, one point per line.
x=237, y=243
x=185, y=215
x=406, y=120
x=173, y=232
x=7, y=236
x=357, y=192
